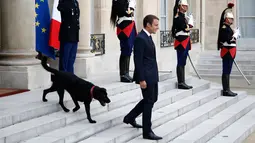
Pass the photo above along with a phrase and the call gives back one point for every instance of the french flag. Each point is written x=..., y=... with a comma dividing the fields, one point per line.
x=55, y=26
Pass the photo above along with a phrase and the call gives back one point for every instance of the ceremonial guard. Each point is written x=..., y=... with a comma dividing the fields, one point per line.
x=122, y=17
x=181, y=33
x=68, y=33
x=227, y=44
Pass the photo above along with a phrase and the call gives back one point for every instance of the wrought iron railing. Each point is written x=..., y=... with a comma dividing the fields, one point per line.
x=166, y=39
x=97, y=42
x=194, y=35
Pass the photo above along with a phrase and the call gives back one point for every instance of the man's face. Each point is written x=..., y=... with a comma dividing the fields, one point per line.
x=229, y=21
x=184, y=8
x=154, y=26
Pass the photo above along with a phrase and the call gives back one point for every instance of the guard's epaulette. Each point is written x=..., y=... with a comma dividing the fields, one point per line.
x=224, y=26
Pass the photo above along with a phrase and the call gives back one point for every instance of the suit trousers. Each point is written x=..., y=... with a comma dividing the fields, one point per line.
x=150, y=96
x=67, y=56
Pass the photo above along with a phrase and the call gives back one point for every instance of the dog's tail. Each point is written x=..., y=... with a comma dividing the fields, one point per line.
x=46, y=67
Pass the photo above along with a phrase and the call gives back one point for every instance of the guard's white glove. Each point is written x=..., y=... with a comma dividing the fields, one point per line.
x=190, y=20
x=237, y=33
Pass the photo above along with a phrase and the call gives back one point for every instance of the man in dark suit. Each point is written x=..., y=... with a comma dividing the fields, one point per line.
x=68, y=34
x=145, y=74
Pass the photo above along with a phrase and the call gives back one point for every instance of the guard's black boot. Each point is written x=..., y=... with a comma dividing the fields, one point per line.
x=127, y=60
x=181, y=77
x=122, y=68
x=225, y=84
x=183, y=71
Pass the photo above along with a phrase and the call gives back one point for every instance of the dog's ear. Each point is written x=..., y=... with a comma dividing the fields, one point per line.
x=104, y=90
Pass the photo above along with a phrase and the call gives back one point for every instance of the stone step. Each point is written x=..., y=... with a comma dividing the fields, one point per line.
x=238, y=131
x=232, y=76
x=113, y=77
x=176, y=127
x=123, y=133
x=211, y=127
x=61, y=119
x=219, y=66
x=82, y=129
x=237, y=58
x=219, y=71
x=216, y=54
x=219, y=61
x=26, y=106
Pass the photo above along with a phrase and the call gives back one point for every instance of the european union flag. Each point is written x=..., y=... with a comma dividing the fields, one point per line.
x=42, y=23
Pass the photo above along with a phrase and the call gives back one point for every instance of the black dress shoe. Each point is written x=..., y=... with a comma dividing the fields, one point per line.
x=134, y=124
x=151, y=136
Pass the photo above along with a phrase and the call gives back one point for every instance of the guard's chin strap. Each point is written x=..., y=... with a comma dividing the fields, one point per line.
x=91, y=92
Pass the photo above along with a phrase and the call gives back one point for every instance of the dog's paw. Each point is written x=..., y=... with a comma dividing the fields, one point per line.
x=44, y=100
x=76, y=109
x=66, y=110
x=92, y=121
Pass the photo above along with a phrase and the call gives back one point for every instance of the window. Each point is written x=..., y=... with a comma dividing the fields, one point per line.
x=164, y=15
x=247, y=18
x=92, y=13
x=190, y=7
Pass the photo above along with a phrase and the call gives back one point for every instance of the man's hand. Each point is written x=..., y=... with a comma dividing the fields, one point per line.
x=143, y=84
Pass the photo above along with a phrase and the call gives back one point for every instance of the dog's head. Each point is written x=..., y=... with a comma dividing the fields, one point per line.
x=100, y=94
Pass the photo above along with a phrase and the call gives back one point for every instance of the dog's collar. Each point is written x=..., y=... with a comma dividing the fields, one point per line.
x=91, y=91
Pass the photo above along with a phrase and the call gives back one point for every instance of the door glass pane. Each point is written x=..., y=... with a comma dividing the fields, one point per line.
x=190, y=7
x=92, y=17
x=247, y=7
x=163, y=7
x=247, y=18
x=163, y=23
x=247, y=27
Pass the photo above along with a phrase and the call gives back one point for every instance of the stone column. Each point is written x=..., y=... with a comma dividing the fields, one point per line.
x=102, y=9
x=83, y=53
x=145, y=7
x=85, y=21
x=0, y=25
x=18, y=66
x=212, y=13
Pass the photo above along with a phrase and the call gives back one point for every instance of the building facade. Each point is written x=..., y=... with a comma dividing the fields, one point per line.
x=20, y=69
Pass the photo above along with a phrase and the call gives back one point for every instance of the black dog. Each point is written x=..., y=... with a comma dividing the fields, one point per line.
x=79, y=89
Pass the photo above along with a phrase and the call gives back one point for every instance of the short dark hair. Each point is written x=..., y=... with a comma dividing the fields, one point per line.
x=149, y=19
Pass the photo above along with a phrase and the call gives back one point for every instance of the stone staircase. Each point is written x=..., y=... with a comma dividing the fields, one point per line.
x=197, y=115
x=209, y=66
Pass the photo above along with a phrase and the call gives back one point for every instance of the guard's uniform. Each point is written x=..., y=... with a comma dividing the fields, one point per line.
x=126, y=29
x=68, y=34
x=182, y=44
x=126, y=33
x=228, y=49
x=227, y=46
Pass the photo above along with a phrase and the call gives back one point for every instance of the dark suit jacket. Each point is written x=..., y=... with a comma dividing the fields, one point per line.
x=70, y=25
x=146, y=67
